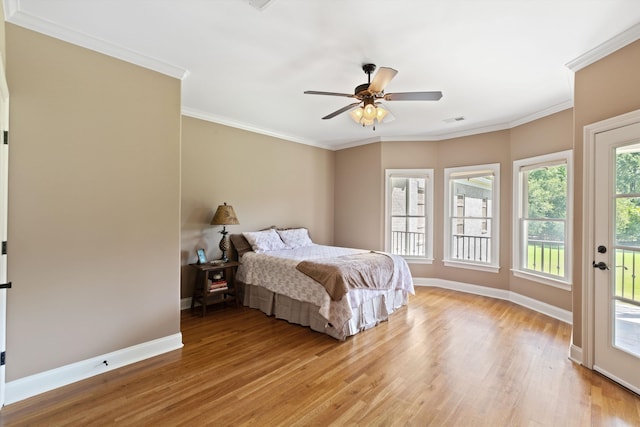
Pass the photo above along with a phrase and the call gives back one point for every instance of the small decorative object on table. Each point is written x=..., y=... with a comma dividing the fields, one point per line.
x=202, y=257
x=225, y=215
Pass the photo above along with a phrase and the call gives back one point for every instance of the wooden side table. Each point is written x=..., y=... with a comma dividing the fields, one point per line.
x=203, y=289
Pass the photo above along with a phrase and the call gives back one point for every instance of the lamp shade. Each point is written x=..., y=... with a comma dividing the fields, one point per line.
x=225, y=215
x=381, y=113
x=369, y=112
x=356, y=114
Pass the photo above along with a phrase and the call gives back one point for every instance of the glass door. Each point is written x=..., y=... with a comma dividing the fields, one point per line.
x=616, y=259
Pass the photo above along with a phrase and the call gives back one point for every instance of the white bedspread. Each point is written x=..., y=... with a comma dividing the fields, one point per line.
x=276, y=271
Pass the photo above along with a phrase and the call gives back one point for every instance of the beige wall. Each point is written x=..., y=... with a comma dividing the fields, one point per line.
x=550, y=134
x=94, y=197
x=605, y=89
x=359, y=221
x=268, y=181
x=360, y=192
x=358, y=169
x=480, y=149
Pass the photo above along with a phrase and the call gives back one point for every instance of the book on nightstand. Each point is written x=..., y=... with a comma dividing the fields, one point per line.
x=217, y=285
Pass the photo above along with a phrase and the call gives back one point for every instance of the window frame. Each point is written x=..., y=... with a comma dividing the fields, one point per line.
x=427, y=174
x=518, y=257
x=449, y=197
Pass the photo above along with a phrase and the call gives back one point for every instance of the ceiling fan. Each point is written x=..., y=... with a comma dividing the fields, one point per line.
x=371, y=93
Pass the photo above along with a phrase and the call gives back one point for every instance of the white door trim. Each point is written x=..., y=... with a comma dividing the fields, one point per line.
x=590, y=132
x=4, y=188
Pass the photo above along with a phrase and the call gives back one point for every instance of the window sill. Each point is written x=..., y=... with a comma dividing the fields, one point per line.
x=542, y=279
x=472, y=266
x=417, y=260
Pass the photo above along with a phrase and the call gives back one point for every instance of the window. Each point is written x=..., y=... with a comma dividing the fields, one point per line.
x=542, y=226
x=409, y=213
x=471, y=217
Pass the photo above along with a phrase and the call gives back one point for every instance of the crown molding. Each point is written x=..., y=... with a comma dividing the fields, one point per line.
x=467, y=132
x=626, y=37
x=426, y=137
x=202, y=115
x=15, y=16
x=542, y=113
x=360, y=142
x=351, y=144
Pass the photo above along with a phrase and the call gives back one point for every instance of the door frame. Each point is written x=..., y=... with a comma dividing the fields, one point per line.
x=4, y=212
x=588, y=226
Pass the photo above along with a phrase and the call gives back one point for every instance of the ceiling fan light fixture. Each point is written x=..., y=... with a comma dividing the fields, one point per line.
x=381, y=113
x=370, y=112
x=357, y=114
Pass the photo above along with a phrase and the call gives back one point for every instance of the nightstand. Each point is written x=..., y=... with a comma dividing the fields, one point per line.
x=208, y=289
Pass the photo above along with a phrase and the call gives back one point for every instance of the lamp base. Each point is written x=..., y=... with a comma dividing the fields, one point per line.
x=224, y=245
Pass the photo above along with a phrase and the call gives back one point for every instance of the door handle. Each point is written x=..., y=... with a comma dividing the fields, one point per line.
x=601, y=265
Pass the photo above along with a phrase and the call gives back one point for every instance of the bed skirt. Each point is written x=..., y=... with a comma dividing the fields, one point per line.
x=366, y=316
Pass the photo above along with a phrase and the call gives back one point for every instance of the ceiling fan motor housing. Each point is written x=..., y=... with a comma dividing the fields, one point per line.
x=362, y=90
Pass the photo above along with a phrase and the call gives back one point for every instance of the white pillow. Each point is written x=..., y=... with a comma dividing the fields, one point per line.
x=267, y=240
x=295, y=237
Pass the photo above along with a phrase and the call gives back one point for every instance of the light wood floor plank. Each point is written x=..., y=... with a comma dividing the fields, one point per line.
x=448, y=359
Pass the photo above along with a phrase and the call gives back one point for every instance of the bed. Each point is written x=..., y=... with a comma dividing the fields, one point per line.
x=272, y=278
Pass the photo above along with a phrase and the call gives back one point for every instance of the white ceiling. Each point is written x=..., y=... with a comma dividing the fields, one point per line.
x=498, y=63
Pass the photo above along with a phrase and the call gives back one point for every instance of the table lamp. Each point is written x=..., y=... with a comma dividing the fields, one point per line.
x=225, y=215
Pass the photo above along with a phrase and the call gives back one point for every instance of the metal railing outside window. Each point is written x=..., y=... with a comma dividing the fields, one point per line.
x=408, y=243
x=627, y=269
x=545, y=256
x=471, y=248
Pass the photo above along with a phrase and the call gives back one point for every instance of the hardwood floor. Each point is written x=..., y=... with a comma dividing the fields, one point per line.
x=448, y=359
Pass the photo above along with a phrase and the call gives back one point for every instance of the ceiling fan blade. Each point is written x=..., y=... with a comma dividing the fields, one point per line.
x=413, y=96
x=381, y=79
x=340, y=111
x=315, y=92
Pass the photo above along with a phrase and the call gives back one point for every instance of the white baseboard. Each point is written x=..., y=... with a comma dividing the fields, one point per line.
x=185, y=303
x=32, y=385
x=539, y=306
x=575, y=354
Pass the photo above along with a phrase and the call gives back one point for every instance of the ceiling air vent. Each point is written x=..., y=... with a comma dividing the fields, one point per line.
x=454, y=119
x=259, y=4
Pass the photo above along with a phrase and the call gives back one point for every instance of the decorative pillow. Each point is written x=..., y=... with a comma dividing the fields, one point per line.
x=295, y=237
x=267, y=240
x=240, y=244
